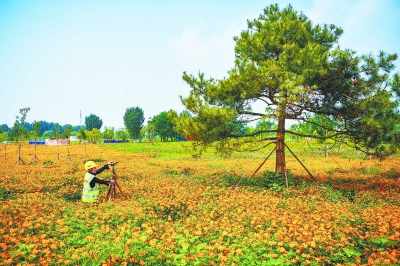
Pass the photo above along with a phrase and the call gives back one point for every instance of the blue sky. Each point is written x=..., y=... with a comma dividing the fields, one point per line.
x=62, y=58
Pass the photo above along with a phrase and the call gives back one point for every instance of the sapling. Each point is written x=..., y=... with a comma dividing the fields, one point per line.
x=20, y=131
x=35, y=134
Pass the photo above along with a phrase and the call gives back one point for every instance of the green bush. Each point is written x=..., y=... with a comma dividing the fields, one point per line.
x=268, y=180
x=74, y=197
x=391, y=174
x=7, y=194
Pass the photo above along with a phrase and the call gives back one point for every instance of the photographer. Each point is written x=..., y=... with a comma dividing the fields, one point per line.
x=90, y=191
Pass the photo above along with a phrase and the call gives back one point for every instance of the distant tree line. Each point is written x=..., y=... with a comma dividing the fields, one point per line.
x=160, y=126
x=45, y=128
x=164, y=127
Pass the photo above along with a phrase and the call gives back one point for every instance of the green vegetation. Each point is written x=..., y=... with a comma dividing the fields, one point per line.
x=93, y=121
x=133, y=120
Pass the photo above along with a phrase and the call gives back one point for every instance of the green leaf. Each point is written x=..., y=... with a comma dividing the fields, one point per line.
x=193, y=239
x=185, y=248
x=383, y=241
x=180, y=238
x=350, y=252
x=179, y=256
x=15, y=252
x=272, y=262
x=21, y=246
x=199, y=247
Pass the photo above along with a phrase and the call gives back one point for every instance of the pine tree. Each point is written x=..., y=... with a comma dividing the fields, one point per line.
x=296, y=69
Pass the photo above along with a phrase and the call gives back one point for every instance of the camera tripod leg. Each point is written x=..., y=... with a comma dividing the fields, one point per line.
x=120, y=190
x=112, y=191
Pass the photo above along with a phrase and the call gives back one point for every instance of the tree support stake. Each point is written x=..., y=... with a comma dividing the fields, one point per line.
x=259, y=167
x=300, y=163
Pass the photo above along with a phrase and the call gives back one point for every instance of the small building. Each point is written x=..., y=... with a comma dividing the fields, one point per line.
x=55, y=142
x=73, y=138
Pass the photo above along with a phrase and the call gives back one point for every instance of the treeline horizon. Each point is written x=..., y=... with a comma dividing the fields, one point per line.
x=44, y=126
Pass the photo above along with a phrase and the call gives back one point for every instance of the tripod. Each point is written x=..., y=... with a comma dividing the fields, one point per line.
x=112, y=190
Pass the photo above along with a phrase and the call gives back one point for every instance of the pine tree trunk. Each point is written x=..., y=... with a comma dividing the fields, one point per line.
x=280, y=167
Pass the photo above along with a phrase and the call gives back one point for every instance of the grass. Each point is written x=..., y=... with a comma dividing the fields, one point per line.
x=184, y=149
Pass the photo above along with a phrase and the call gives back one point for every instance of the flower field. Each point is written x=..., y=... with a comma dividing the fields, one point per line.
x=182, y=210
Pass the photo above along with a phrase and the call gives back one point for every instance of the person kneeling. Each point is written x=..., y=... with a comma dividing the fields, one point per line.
x=90, y=191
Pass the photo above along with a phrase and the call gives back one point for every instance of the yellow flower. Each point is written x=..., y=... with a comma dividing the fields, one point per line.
x=281, y=249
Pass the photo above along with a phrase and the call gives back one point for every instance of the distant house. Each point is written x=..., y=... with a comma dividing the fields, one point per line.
x=55, y=142
x=73, y=138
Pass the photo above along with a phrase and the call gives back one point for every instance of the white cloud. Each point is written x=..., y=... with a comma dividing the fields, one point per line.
x=362, y=22
x=211, y=51
x=191, y=45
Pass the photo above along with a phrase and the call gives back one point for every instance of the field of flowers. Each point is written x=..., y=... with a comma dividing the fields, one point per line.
x=183, y=210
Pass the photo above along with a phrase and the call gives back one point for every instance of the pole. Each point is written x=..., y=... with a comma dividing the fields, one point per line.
x=300, y=163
